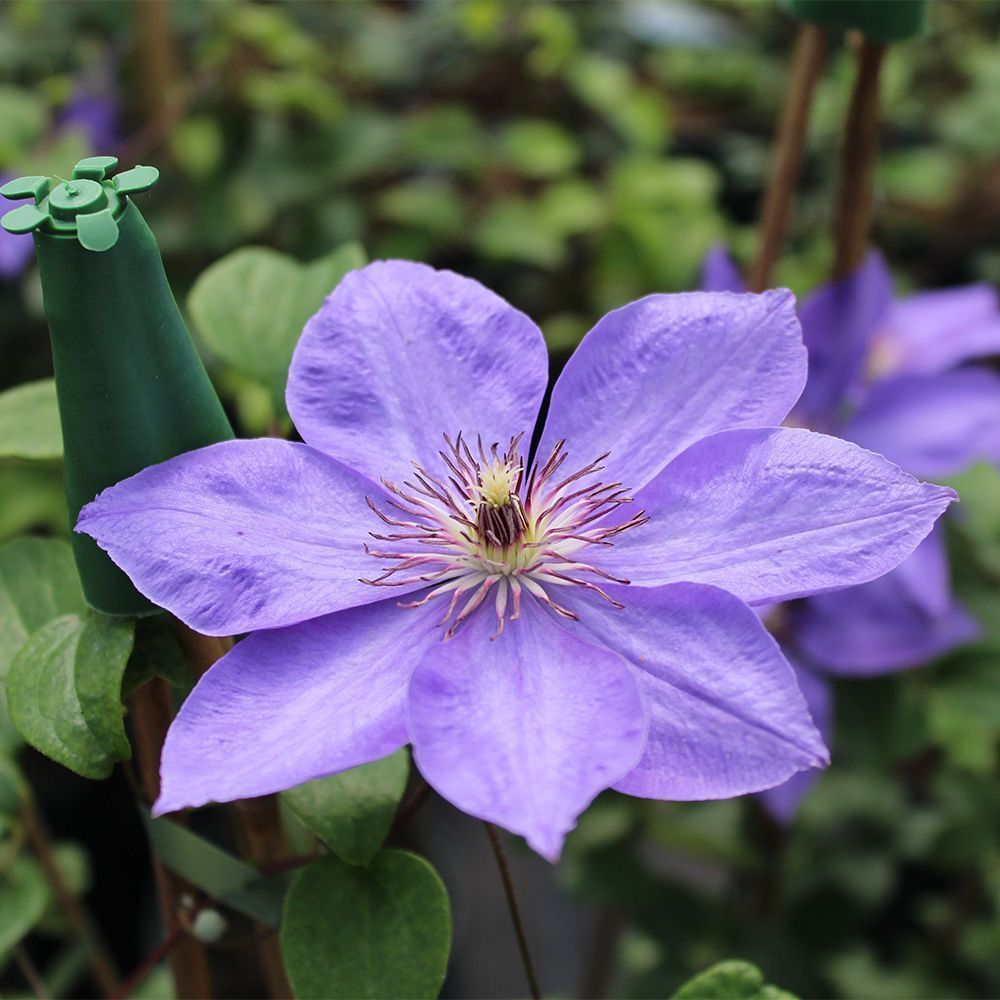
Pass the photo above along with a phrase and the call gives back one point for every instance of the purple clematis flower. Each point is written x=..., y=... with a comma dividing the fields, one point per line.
x=891, y=376
x=94, y=106
x=538, y=629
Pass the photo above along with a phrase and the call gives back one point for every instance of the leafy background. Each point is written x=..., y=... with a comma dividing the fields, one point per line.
x=573, y=157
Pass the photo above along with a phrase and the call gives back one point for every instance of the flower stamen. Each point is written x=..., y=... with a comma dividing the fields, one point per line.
x=485, y=525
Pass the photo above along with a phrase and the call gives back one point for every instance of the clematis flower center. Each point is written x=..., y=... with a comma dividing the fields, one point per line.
x=883, y=358
x=483, y=529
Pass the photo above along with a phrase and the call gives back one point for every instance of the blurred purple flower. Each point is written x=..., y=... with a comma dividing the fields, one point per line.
x=783, y=800
x=513, y=653
x=15, y=249
x=93, y=107
x=890, y=375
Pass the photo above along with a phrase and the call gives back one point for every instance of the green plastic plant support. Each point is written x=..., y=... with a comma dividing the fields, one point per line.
x=879, y=20
x=132, y=390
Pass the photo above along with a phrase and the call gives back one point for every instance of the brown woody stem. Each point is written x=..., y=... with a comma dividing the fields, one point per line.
x=31, y=975
x=810, y=54
x=263, y=841
x=853, y=210
x=151, y=715
x=157, y=58
x=261, y=837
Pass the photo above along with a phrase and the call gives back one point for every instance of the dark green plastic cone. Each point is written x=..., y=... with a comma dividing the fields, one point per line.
x=879, y=20
x=132, y=389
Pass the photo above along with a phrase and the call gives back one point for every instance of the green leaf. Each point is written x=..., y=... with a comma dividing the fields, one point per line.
x=251, y=306
x=29, y=421
x=925, y=176
x=858, y=973
x=292, y=92
x=64, y=691
x=158, y=985
x=73, y=863
x=446, y=137
x=730, y=980
x=38, y=582
x=351, y=812
x=539, y=148
x=555, y=33
x=513, y=229
x=24, y=114
x=979, y=513
x=381, y=931
x=24, y=895
x=198, y=145
x=157, y=652
x=11, y=786
x=429, y=204
x=217, y=873
x=572, y=206
x=641, y=115
x=963, y=709
x=32, y=498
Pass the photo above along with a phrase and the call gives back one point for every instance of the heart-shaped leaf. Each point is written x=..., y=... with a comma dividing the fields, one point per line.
x=251, y=306
x=351, y=812
x=379, y=931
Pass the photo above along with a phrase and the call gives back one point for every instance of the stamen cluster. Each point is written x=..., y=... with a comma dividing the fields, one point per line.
x=484, y=528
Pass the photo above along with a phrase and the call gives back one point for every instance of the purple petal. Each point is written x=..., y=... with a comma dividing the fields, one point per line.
x=838, y=323
x=294, y=704
x=925, y=576
x=932, y=425
x=657, y=375
x=95, y=112
x=719, y=272
x=933, y=331
x=16, y=249
x=775, y=513
x=783, y=801
x=400, y=354
x=242, y=535
x=877, y=628
x=526, y=730
x=725, y=714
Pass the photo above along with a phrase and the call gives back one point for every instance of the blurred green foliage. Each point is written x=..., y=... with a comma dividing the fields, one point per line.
x=573, y=157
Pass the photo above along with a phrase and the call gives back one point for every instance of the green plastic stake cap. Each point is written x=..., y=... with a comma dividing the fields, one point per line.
x=87, y=207
x=24, y=219
x=72, y=198
x=95, y=168
x=132, y=390
x=879, y=20
x=135, y=180
x=97, y=231
x=27, y=187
